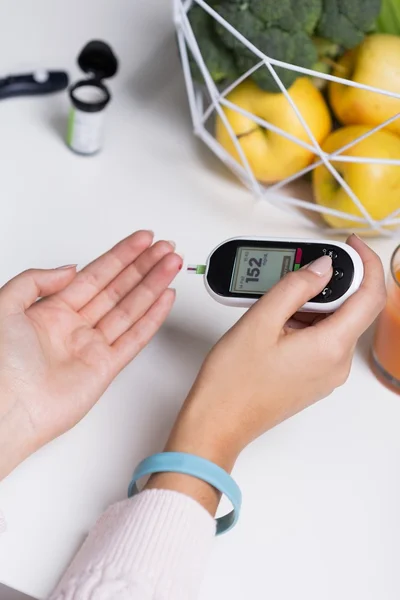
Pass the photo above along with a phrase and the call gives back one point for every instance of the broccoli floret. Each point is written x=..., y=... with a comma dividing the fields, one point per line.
x=241, y=19
x=302, y=15
x=305, y=52
x=217, y=57
x=362, y=14
x=274, y=43
x=346, y=22
x=308, y=13
x=270, y=13
x=296, y=48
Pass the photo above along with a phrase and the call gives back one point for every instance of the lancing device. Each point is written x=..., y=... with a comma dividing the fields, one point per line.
x=33, y=84
x=240, y=270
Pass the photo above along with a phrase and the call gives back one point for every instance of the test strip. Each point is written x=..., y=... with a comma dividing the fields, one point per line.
x=196, y=269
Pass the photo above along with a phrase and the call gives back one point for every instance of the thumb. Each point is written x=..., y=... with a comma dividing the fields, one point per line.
x=291, y=292
x=24, y=289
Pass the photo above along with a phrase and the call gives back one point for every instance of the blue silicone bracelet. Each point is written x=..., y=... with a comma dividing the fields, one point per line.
x=188, y=464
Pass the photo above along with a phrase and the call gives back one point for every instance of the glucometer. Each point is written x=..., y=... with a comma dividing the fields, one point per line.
x=240, y=270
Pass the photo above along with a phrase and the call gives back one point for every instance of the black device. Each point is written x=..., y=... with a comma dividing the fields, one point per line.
x=33, y=84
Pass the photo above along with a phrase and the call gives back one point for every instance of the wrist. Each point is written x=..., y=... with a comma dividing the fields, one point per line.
x=16, y=439
x=198, y=431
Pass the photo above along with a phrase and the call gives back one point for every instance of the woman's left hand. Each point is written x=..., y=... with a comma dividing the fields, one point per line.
x=58, y=355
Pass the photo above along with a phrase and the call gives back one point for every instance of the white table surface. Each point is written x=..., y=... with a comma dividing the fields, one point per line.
x=321, y=516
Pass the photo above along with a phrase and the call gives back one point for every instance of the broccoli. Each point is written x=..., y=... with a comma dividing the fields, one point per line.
x=283, y=30
x=217, y=57
x=277, y=29
x=346, y=22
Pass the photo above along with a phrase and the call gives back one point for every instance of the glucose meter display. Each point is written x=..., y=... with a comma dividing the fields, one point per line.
x=256, y=270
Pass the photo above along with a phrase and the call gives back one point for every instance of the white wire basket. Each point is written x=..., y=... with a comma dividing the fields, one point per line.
x=208, y=100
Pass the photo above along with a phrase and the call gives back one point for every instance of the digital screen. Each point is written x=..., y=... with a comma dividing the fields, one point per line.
x=256, y=270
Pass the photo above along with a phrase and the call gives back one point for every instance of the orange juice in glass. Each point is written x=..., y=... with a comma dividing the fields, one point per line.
x=386, y=347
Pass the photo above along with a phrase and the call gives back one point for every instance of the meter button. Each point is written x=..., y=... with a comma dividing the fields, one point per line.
x=337, y=274
x=329, y=252
x=326, y=293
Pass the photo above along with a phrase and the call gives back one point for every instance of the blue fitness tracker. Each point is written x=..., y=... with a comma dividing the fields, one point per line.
x=188, y=464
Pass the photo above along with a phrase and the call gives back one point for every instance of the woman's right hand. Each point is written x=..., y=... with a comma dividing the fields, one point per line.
x=270, y=365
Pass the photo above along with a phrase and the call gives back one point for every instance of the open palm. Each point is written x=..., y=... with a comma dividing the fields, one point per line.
x=59, y=354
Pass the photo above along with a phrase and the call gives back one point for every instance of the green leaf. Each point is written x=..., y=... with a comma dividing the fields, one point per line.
x=389, y=17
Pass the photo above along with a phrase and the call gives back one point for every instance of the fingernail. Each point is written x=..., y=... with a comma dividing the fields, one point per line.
x=357, y=237
x=172, y=243
x=150, y=231
x=321, y=266
x=67, y=267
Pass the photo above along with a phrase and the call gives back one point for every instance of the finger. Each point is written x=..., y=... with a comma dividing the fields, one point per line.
x=360, y=310
x=140, y=300
x=277, y=306
x=22, y=291
x=98, y=274
x=125, y=282
x=137, y=337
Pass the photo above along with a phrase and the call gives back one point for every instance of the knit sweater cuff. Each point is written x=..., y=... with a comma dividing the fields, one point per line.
x=158, y=538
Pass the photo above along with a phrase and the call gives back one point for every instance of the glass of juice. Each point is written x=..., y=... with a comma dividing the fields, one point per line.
x=386, y=347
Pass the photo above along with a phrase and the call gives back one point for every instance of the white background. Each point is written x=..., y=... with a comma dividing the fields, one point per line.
x=321, y=492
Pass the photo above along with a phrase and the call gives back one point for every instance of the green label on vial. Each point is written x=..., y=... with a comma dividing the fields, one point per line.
x=70, y=130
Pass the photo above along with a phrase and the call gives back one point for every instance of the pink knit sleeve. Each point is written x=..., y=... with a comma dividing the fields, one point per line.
x=152, y=546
